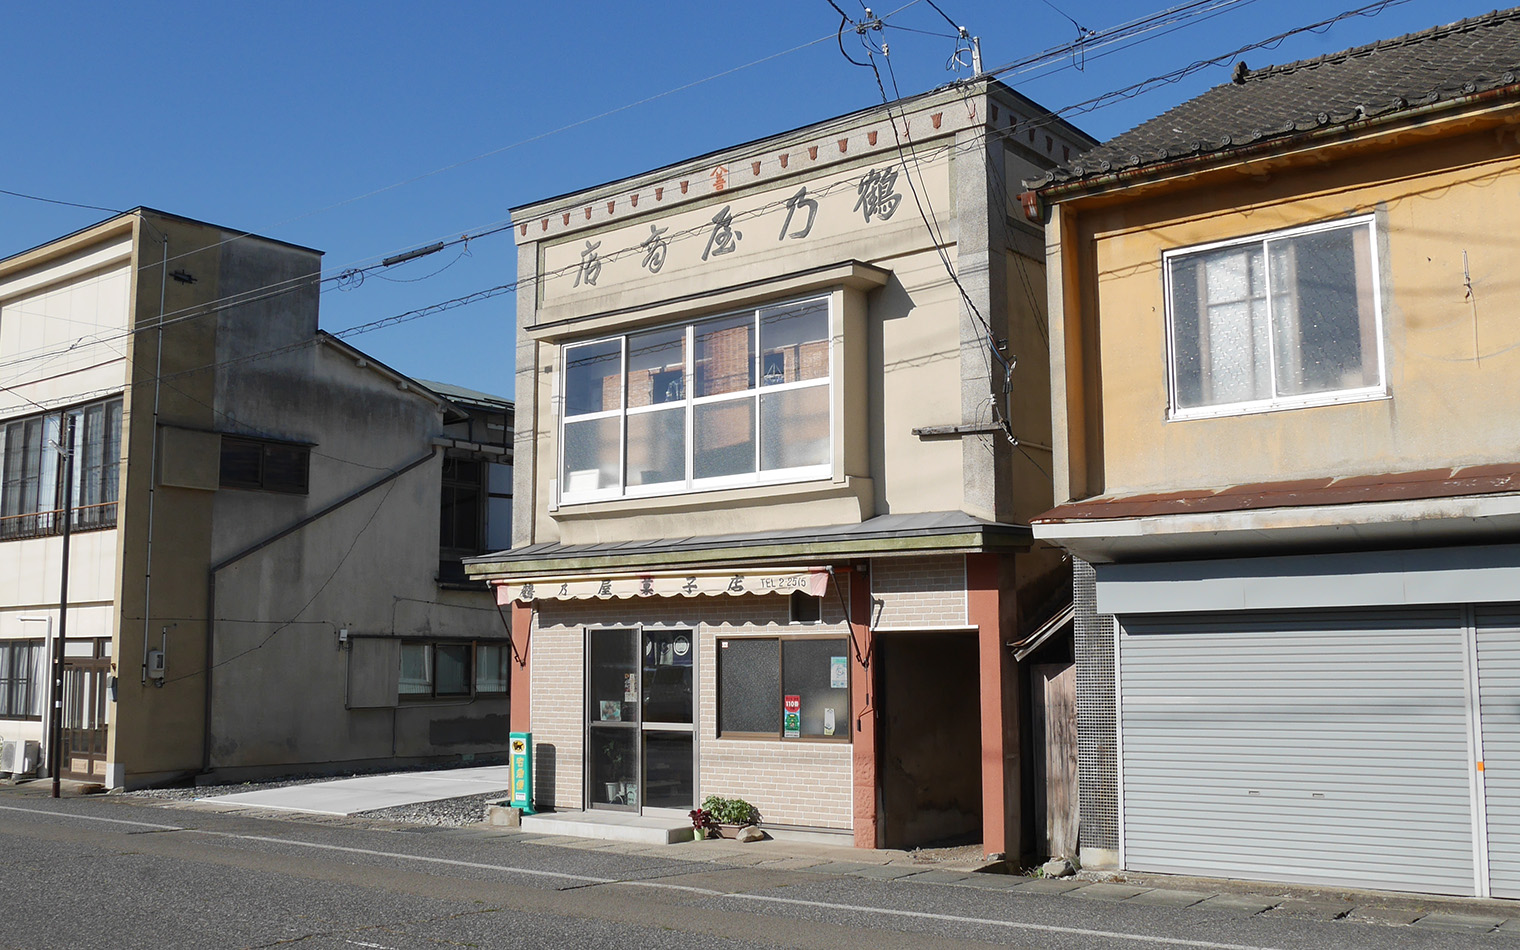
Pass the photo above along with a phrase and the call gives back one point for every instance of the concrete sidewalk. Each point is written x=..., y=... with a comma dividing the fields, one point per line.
x=1228, y=898
x=350, y=796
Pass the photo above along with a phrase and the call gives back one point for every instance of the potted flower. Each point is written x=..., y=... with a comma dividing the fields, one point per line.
x=703, y=825
x=728, y=815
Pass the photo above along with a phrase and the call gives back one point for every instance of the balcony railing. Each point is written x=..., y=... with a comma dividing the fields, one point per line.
x=42, y=524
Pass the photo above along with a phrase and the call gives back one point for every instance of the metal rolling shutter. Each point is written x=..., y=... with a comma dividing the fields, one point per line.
x=1325, y=747
x=1499, y=704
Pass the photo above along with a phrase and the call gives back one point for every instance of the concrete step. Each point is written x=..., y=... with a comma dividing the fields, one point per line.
x=612, y=826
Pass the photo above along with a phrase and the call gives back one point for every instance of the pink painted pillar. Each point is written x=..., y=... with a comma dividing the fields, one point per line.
x=522, y=673
x=1000, y=830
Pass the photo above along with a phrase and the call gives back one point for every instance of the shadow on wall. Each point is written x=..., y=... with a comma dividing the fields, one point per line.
x=489, y=731
x=543, y=776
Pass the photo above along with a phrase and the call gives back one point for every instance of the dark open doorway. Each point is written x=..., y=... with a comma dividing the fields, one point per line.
x=929, y=760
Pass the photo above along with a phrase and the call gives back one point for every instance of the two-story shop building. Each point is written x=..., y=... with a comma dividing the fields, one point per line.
x=1286, y=344
x=782, y=421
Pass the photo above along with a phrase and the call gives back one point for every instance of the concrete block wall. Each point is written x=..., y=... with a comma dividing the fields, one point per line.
x=793, y=781
x=558, y=713
x=919, y=591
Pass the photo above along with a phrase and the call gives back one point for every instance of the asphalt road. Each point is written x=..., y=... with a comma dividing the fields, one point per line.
x=110, y=873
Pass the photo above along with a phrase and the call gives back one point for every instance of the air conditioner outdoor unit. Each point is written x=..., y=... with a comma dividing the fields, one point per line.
x=19, y=757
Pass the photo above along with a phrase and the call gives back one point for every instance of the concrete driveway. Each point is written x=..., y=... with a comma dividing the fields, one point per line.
x=350, y=796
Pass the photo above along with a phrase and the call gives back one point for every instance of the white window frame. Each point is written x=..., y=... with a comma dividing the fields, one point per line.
x=691, y=403
x=1378, y=390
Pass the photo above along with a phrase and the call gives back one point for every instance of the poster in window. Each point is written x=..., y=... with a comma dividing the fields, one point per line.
x=839, y=673
x=612, y=711
x=630, y=688
x=828, y=720
x=791, y=708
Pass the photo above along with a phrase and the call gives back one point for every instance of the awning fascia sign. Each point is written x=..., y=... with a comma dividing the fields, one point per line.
x=735, y=582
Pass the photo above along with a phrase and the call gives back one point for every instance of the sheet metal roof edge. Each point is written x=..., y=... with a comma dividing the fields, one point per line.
x=960, y=538
x=466, y=395
x=1462, y=482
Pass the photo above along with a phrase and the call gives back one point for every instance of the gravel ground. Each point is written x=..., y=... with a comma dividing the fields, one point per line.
x=446, y=812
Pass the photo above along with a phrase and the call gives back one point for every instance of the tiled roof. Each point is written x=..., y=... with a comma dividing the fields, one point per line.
x=1378, y=80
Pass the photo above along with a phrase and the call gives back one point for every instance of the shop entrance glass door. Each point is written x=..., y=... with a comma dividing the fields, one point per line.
x=640, y=689
x=668, y=765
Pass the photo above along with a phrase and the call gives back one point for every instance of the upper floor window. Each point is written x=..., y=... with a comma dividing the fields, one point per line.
x=739, y=399
x=31, y=492
x=1282, y=320
x=265, y=465
x=475, y=514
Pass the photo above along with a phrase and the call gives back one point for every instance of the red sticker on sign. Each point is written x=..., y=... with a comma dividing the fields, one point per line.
x=792, y=704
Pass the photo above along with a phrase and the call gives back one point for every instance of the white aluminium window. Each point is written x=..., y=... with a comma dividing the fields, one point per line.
x=1276, y=321
x=740, y=399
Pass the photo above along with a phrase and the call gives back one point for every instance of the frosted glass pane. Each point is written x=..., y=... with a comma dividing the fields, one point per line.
x=657, y=446
x=724, y=437
x=1323, y=314
x=794, y=428
x=591, y=455
x=416, y=675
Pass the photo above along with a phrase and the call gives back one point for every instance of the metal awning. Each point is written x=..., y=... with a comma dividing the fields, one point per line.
x=895, y=535
x=784, y=580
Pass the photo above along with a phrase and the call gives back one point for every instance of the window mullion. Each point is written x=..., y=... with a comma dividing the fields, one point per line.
x=689, y=392
x=1266, y=276
x=622, y=486
x=754, y=407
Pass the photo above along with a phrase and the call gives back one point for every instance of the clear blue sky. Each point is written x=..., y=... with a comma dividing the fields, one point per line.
x=276, y=117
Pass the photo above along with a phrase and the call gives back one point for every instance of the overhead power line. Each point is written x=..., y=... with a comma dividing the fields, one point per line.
x=917, y=159
x=56, y=201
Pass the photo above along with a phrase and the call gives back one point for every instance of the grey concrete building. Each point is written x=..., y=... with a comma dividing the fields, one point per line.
x=267, y=521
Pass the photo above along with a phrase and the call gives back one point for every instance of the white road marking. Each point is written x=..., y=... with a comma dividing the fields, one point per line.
x=113, y=821
x=1013, y=924
x=664, y=885
x=409, y=857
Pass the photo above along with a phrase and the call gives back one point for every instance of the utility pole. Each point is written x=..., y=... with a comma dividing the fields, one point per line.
x=55, y=737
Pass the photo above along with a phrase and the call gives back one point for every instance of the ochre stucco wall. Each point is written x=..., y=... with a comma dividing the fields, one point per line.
x=1452, y=361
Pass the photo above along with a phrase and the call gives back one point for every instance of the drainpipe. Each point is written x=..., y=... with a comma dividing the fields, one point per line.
x=158, y=372
x=259, y=546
